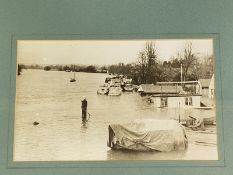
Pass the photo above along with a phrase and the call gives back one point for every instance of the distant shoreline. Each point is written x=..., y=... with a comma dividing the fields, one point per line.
x=61, y=70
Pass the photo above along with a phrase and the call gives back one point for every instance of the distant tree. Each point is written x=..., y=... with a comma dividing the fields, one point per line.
x=103, y=69
x=175, y=61
x=47, y=68
x=66, y=68
x=195, y=71
x=91, y=69
x=59, y=68
x=207, y=66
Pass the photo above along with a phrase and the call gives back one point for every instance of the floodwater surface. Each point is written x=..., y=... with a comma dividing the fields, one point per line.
x=49, y=98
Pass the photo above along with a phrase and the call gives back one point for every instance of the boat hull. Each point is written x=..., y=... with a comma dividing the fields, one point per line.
x=72, y=80
x=102, y=91
x=114, y=91
x=128, y=89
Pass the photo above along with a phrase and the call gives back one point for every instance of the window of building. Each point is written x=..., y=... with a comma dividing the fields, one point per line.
x=163, y=101
x=188, y=101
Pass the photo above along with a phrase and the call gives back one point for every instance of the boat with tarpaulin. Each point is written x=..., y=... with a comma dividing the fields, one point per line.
x=148, y=135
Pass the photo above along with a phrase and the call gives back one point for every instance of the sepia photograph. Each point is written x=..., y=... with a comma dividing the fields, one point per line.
x=107, y=100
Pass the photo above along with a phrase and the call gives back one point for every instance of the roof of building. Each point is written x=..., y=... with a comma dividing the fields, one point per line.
x=174, y=95
x=205, y=82
x=160, y=89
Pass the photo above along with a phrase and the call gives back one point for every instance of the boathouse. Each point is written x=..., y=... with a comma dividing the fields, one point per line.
x=169, y=96
x=176, y=100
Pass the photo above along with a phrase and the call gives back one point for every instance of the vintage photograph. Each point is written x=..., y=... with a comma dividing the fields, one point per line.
x=106, y=100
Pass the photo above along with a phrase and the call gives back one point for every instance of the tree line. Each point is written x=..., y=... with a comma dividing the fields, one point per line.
x=149, y=68
x=72, y=67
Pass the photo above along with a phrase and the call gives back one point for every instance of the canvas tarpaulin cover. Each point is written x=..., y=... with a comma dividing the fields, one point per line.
x=145, y=135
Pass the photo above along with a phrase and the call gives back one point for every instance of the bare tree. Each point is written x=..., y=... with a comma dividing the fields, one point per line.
x=147, y=64
x=142, y=67
x=188, y=60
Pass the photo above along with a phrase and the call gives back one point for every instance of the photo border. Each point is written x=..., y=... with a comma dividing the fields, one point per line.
x=117, y=163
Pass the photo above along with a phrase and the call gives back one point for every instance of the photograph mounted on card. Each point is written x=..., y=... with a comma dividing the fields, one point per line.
x=127, y=99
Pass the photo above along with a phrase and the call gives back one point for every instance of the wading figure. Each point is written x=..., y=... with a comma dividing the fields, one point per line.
x=84, y=109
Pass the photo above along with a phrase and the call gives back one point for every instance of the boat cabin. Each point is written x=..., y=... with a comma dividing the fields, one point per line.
x=115, y=81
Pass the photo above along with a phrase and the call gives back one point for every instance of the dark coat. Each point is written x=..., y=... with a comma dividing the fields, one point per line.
x=84, y=104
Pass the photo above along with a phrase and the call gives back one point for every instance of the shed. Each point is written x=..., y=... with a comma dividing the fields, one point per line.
x=207, y=87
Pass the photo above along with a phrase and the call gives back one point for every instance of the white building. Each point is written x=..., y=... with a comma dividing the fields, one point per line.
x=176, y=100
x=207, y=87
x=169, y=96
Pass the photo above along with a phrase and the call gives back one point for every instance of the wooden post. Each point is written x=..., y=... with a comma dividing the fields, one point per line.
x=181, y=74
x=179, y=112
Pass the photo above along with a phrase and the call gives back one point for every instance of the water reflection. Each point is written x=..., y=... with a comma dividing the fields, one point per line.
x=84, y=126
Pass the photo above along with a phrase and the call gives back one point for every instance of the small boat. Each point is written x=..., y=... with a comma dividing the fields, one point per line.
x=73, y=79
x=206, y=120
x=148, y=135
x=114, y=90
x=103, y=90
x=128, y=88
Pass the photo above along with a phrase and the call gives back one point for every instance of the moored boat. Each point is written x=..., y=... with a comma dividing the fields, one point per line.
x=73, y=79
x=114, y=90
x=148, y=135
x=205, y=120
x=128, y=88
x=103, y=90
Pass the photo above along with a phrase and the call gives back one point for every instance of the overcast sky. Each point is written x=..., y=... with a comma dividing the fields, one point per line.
x=101, y=52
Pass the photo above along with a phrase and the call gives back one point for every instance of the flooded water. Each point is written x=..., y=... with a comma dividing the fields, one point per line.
x=49, y=98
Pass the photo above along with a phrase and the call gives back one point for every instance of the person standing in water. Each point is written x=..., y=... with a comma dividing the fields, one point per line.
x=84, y=109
